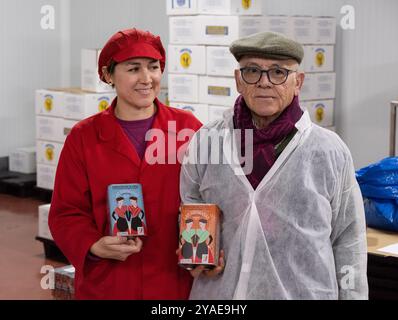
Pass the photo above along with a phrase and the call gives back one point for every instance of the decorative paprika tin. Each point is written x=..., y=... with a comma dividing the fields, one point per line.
x=126, y=210
x=199, y=235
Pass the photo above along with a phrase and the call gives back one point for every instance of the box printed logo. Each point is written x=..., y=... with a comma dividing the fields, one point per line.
x=217, y=30
x=319, y=112
x=48, y=102
x=219, y=91
x=49, y=152
x=246, y=4
x=185, y=58
x=103, y=103
x=319, y=57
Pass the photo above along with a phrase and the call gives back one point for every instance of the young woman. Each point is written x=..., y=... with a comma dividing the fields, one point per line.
x=112, y=147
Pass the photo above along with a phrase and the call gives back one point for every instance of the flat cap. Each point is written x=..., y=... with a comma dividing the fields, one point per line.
x=270, y=45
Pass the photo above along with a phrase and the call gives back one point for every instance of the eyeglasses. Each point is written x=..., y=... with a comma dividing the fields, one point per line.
x=276, y=76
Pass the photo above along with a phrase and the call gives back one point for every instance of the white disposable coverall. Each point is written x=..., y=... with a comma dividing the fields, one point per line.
x=300, y=235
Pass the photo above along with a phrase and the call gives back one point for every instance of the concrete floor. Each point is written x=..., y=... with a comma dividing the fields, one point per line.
x=21, y=256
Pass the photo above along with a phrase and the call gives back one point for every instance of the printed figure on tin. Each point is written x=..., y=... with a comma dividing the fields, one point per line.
x=203, y=251
x=126, y=208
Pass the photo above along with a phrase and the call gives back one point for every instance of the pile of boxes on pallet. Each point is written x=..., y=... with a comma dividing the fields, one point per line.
x=58, y=110
x=201, y=67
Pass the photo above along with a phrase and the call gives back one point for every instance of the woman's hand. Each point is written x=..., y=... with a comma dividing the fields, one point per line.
x=117, y=248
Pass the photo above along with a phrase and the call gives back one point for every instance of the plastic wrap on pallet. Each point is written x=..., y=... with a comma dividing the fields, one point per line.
x=64, y=278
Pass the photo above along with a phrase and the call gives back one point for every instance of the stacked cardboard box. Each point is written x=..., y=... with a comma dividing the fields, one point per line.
x=200, y=65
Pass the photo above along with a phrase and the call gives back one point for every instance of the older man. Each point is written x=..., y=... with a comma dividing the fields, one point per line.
x=293, y=227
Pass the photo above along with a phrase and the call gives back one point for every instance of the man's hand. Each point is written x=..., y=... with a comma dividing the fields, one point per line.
x=117, y=248
x=210, y=273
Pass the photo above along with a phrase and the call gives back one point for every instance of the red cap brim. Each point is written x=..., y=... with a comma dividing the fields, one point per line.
x=140, y=50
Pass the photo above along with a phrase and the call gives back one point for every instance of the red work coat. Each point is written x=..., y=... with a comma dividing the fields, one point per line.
x=97, y=153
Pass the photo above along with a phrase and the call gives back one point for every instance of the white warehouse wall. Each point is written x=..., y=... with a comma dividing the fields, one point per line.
x=30, y=58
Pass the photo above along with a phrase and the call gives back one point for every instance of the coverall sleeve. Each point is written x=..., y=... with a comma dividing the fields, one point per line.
x=349, y=238
x=189, y=176
x=71, y=220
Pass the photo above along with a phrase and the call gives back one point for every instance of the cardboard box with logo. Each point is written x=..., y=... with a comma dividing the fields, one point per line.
x=49, y=102
x=187, y=59
x=321, y=111
x=318, y=58
x=82, y=104
x=48, y=152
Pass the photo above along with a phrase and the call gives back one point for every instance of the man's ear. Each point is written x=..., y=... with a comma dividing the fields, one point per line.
x=238, y=81
x=299, y=82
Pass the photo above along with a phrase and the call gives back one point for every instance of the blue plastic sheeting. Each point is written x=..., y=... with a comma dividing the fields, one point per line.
x=379, y=187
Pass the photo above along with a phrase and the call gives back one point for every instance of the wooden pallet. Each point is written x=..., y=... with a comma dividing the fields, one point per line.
x=17, y=184
x=23, y=185
x=44, y=195
x=7, y=174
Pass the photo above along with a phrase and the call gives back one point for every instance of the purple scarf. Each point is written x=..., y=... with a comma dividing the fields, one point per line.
x=266, y=139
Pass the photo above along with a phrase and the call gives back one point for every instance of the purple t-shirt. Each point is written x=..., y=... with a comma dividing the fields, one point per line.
x=135, y=131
